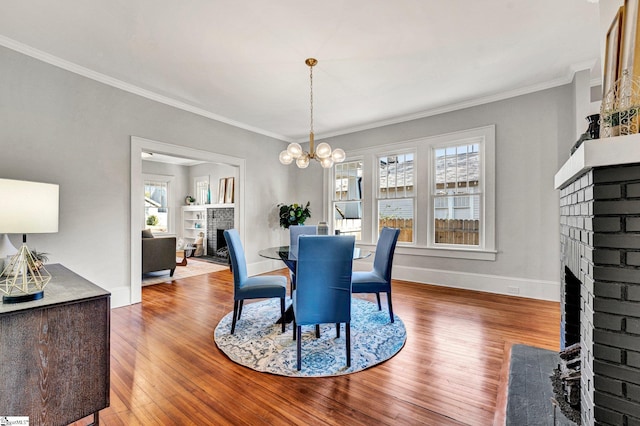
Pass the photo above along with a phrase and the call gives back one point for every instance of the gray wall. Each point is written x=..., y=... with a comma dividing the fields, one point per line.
x=62, y=128
x=532, y=132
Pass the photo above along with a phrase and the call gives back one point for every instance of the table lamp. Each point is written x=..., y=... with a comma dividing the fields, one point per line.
x=26, y=208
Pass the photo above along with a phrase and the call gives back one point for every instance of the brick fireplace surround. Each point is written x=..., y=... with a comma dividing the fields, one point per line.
x=600, y=256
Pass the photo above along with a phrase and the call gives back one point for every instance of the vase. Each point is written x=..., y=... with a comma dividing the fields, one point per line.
x=594, y=126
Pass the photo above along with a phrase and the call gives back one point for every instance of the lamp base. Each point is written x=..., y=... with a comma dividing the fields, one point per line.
x=23, y=297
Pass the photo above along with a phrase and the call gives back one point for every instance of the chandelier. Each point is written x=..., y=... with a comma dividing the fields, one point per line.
x=322, y=152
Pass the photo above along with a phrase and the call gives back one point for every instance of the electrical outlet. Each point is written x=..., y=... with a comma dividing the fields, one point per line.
x=513, y=290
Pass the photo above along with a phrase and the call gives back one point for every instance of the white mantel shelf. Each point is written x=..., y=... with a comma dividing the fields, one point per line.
x=599, y=153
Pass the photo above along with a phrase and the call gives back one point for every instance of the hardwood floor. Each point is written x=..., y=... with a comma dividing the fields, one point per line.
x=167, y=370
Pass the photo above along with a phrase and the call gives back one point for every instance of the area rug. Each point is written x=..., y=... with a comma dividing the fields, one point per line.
x=259, y=343
x=193, y=268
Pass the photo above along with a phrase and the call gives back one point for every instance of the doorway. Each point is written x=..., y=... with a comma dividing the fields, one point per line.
x=140, y=145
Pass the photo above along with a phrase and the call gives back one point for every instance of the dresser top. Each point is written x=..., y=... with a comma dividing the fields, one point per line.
x=65, y=286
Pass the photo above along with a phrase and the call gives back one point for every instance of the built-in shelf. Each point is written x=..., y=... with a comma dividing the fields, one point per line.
x=599, y=153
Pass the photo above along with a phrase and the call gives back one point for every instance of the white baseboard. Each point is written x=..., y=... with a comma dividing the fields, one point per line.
x=512, y=286
x=120, y=296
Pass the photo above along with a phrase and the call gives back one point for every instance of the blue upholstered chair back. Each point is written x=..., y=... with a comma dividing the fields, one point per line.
x=236, y=253
x=295, y=231
x=323, y=293
x=383, y=261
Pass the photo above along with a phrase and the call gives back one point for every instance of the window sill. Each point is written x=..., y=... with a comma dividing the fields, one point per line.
x=455, y=253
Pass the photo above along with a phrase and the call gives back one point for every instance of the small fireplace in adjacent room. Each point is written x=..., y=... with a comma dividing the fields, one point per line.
x=218, y=220
x=600, y=294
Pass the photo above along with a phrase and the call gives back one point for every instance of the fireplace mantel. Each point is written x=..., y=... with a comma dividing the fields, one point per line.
x=612, y=151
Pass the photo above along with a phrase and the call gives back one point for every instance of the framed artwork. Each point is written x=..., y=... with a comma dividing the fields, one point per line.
x=221, y=189
x=630, y=38
x=228, y=198
x=612, y=53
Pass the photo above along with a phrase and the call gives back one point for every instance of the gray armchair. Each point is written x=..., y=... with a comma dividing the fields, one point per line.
x=158, y=254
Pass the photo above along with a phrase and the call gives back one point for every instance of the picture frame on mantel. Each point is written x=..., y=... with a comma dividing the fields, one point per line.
x=630, y=40
x=612, y=53
x=228, y=199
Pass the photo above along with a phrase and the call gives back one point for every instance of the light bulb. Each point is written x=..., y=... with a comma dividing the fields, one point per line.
x=323, y=150
x=285, y=157
x=302, y=161
x=294, y=150
x=326, y=163
x=338, y=155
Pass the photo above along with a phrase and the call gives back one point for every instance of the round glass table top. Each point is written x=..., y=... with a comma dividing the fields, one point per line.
x=282, y=253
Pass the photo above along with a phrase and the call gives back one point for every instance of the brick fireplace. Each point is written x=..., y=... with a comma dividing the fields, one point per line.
x=218, y=220
x=600, y=246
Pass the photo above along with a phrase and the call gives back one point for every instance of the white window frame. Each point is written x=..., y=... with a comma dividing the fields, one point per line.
x=333, y=201
x=423, y=222
x=170, y=201
x=378, y=198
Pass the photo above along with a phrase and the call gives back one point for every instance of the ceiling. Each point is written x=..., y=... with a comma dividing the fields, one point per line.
x=379, y=61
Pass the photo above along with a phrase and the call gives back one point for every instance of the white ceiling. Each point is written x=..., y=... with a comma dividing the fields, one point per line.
x=380, y=61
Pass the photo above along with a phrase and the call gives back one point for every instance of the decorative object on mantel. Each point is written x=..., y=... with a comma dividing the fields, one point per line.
x=323, y=152
x=323, y=228
x=293, y=214
x=593, y=131
x=28, y=208
x=621, y=84
x=189, y=200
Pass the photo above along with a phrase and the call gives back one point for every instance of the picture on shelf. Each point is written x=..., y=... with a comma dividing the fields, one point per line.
x=221, y=189
x=229, y=191
x=612, y=53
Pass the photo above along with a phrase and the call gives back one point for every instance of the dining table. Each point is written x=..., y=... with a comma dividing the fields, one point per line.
x=289, y=257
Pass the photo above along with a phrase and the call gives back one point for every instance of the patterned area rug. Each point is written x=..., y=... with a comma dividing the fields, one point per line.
x=194, y=267
x=258, y=342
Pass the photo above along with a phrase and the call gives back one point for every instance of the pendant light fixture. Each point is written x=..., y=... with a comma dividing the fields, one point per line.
x=322, y=153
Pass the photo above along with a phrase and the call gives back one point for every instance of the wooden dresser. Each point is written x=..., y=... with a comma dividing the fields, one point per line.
x=54, y=352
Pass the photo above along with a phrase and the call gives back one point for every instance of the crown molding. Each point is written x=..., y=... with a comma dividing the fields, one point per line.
x=119, y=84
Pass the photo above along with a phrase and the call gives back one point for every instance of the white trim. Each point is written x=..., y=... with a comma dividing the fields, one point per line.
x=120, y=296
x=422, y=148
x=137, y=146
x=511, y=286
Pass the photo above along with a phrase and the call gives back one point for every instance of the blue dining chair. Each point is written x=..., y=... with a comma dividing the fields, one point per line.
x=378, y=280
x=323, y=288
x=244, y=287
x=294, y=232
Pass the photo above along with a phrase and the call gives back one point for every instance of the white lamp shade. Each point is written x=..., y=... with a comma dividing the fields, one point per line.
x=28, y=207
x=285, y=157
x=302, y=162
x=323, y=150
x=326, y=163
x=338, y=155
x=295, y=150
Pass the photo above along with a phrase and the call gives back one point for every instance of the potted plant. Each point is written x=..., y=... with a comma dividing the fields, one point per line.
x=293, y=214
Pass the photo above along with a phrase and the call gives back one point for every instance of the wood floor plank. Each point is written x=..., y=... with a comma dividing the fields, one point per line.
x=166, y=368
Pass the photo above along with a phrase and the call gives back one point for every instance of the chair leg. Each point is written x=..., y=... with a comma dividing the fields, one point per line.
x=235, y=316
x=337, y=330
x=317, y=331
x=240, y=308
x=347, y=332
x=294, y=329
x=379, y=305
x=299, y=356
x=390, y=305
x=282, y=312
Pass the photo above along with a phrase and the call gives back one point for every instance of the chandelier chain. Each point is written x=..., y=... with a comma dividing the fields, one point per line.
x=311, y=95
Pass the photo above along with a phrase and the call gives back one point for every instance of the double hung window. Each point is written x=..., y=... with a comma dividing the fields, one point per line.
x=396, y=193
x=347, y=198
